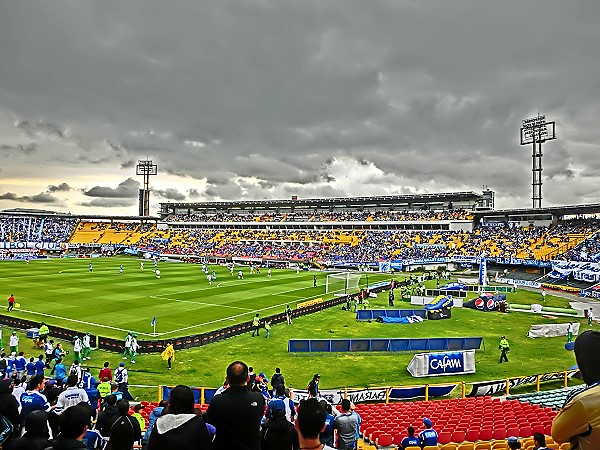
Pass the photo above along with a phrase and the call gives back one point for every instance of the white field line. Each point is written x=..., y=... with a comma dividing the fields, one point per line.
x=160, y=297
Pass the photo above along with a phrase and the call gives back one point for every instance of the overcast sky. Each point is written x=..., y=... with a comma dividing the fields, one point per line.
x=260, y=99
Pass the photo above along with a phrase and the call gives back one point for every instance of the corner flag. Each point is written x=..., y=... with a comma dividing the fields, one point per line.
x=153, y=321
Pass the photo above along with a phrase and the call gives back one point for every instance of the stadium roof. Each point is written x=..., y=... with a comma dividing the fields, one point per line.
x=568, y=210
x=382, y=200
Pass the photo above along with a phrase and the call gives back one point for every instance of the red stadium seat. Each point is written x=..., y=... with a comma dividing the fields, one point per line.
x=472, y=435
x=458, y=436
x=444, y=437
x=525, y=431
x=485, y=434
x=385, y=440
x=499, y=433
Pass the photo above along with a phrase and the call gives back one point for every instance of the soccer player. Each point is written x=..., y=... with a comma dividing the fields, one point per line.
x=208, y=277
x=157, y=273
x=142, y=265
x=127, y=350
x=13, y=342
x=121, y=269
x=269, y=272
x=240, y=275
x=134, y=348
x=91, y=269
x=77, y=348
x=86, y=346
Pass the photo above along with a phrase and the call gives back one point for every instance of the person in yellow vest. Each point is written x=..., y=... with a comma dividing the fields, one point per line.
x=44, y=331
x=268, y=328
x=104, y=388
x=504, y=349
x=168, y=354
x=138, y=416
x=255, y=325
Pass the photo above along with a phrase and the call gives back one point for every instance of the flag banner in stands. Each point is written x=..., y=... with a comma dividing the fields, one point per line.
x=53, y=246
x=497, y=386
x=436, y=364
x=528, y=283
x=583, y=271
x=335, y=397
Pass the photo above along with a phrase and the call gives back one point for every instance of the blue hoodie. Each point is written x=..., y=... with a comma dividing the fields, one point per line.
x=154, y=414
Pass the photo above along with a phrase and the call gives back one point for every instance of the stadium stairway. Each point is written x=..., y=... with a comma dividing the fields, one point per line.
x=554, y=399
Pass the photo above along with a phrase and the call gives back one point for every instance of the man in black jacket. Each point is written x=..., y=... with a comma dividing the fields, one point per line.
x=237, y=412
x=107, y=416
x=73, y=425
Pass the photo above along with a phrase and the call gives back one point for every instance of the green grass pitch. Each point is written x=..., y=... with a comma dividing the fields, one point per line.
x=64, y=293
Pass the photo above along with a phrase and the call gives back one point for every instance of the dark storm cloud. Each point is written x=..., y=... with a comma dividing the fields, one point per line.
x=108, y=203
x=321, y=97
x=62, y=187
x=127, y=189
x=42, y=197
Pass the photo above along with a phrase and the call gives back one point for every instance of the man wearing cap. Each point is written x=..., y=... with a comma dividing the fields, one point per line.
x=428, y=436
x=579, y=420
x=86, y=346
x=346, y=425
x=504, y=349
x=121, y=377
x=513, y=443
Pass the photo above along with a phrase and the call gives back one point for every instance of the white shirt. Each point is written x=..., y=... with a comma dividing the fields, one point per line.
x=77, y=345
x=70, y=397
x=86, y=341
x=13, y=341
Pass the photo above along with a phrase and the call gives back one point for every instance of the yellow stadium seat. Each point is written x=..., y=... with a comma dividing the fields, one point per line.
x=430, y=447
x=449, y=446
x=483, y=446
x=466, y=446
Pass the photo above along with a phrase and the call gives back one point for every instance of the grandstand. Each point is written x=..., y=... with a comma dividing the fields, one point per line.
x=409, y=232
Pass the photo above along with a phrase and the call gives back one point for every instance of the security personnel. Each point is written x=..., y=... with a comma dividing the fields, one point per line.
x=504, y=349
x=104, y=388
x=44, y=331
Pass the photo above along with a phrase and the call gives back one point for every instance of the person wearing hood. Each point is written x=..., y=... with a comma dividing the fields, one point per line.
x=579, y=420
x=9, y=406
x=180, y=428
x=125, y=431
x=37, y=434
x=154, y=414
x=107, y=416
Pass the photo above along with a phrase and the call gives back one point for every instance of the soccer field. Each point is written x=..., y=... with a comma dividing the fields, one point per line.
x=63, y=292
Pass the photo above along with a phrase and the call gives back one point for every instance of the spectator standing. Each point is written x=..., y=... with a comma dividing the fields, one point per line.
x=590, y=322
x=121, y=377
x=411, y=440
x=37, y=434
x=277, y=378
x=33, y=399
x=105, y=372
x=327, y=436
x=288, y=314
x=180, y=428
x=237, y=412
x=428, y=436
x=282, y=400
x=9, y=406
x=125, y=430
x=168, y=354
x=313, y=386
x=311, y=422
x=73, y=426
x=504, y=349
x=49, y=351
x=71, y=396
x=152, y=417
x=570, y=328
x=107, y=416
x=579, y=420
x=277, y=433
x=346, y=425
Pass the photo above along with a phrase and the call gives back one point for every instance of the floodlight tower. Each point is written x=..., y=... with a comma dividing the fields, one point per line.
x=145, y=168
x=536, y=131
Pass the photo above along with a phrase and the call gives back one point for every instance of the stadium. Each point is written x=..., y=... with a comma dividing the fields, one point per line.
x=198, y=274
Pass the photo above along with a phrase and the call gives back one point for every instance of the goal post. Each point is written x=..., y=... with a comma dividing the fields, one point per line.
x=342, y=283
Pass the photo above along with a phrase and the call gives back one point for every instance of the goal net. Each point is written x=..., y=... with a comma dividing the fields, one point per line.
x=342, y=283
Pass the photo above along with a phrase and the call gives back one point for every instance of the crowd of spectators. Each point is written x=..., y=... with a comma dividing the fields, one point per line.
x=36, y=229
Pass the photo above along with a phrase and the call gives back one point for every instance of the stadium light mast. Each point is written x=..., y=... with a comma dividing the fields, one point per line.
x=145, y=168
x=536, y=131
